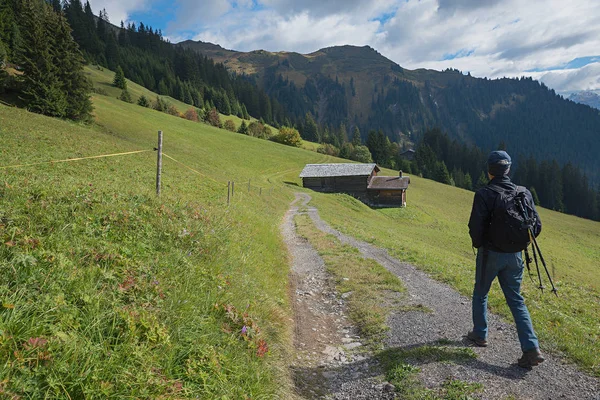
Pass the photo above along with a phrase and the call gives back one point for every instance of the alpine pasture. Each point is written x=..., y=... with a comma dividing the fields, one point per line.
x=107, y=290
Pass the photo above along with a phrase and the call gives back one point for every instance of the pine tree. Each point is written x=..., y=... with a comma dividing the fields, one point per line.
x=3, y=74
x=9, y=29
x=356, y=140
x=57, y=6
x=482, y=181
x=468, y=182
x=76, y=86
x=243, y=129
x=119, y=80
x=441, y=173
x=310, y=132
x=534, y=194
x=143, y=101
x=42, y=89
x=125, y=96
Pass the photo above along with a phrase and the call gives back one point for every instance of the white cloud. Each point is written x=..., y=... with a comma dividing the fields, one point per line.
x=571, y=80
x=118, y=10
x=490, y=38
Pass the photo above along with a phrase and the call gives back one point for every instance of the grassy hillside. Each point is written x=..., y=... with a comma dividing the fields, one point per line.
x=107, y=290
x=432, y=233
x=102, y=79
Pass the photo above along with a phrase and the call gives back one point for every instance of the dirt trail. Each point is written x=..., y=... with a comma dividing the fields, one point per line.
x=325, y=366
x=447, y=318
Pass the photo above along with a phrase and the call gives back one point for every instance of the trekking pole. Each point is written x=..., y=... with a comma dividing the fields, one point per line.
x=554, y=290
x=528, y=262
x=525, y=215
x=535, y=247
x=537, y=266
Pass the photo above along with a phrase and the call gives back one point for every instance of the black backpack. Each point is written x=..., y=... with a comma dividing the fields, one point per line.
x=509, y=228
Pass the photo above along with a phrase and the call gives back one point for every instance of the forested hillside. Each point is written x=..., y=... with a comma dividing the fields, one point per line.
x=144, y=56
x=356, y=86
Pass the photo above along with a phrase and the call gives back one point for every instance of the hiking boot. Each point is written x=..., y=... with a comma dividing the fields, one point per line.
x=531, y=358
x=472, y=336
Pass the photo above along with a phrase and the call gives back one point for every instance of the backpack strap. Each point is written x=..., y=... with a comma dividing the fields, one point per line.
x=499, y=190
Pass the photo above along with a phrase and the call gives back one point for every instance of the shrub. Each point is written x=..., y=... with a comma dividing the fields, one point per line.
x=212, y=117
x=125, y=96
x=259, y=130
x=288, y=136
x=191, y=114
x=160, y=104
x=100, y=90
x=172, y=110
x=361, y=154
x=229, y=125
x=328, y=149
x=143, y=101
x=255, y=129
x=267, y=133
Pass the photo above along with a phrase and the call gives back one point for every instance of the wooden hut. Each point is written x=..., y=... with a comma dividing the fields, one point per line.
x=388, y=191
x=352, y=179
x=358, y=180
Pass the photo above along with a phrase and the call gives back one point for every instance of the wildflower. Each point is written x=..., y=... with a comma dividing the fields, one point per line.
x=262, y=348
x=244, y=330
x=36, y=342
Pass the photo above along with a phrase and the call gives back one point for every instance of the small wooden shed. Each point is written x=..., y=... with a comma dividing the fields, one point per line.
x=348, y=178
x=388, y=190
x=358, y=180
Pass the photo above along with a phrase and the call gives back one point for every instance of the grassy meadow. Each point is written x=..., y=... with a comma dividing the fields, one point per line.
x=102, y=80
x=432, y=233
x=108, y=291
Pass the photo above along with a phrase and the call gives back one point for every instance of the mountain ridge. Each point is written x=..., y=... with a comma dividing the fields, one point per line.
x=587, y=97
x=357, y=86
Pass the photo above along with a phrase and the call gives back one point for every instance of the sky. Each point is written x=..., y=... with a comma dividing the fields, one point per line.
x=555, y=41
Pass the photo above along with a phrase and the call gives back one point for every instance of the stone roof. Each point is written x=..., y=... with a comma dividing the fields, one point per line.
x=389, y=183
x=332, y=170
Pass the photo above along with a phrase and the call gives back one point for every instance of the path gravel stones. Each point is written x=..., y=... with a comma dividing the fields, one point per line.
x=327, y=365
x=447, y=318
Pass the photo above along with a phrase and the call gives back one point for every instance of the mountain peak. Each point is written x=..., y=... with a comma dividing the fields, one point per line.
x=586, y=97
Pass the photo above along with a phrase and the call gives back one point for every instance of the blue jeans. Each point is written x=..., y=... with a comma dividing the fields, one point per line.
x=508, y=267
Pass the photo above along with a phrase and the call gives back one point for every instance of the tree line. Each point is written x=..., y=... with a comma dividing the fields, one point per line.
x=146, y=58
x=38, y=42
x=565, y=189
x=522, y=112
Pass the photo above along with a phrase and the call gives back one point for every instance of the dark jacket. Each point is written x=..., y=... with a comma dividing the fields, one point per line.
x=481, y=214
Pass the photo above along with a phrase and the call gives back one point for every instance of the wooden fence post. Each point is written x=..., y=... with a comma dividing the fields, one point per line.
x=159, y=162
x=228, y=187
x=232, y=188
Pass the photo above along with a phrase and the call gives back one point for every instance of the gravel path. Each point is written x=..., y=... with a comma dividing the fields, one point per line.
x=495, y=366
x=326, y=367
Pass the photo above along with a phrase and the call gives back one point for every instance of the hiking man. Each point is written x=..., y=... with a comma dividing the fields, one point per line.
x=497, y=257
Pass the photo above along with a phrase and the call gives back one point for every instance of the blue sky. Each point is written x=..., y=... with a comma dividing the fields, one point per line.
x=552, y=40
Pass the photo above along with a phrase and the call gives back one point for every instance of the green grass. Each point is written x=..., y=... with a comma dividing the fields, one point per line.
x=102, y=78
x=432, y=233
x=374, y=291
x=401, y=366
x=108, y=291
